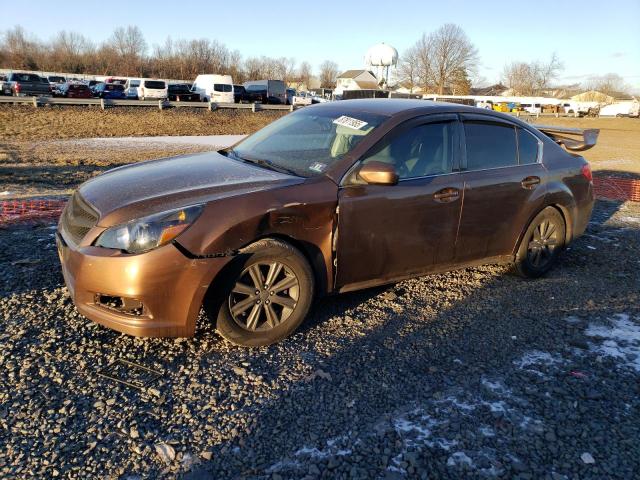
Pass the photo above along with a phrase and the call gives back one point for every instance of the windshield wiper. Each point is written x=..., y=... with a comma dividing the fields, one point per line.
x=264, y=163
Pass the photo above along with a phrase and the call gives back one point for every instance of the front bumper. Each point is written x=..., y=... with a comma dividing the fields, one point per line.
x=169, y=286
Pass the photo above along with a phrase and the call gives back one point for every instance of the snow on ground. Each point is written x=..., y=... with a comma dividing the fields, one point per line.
x=621, y=339
x=214, y=141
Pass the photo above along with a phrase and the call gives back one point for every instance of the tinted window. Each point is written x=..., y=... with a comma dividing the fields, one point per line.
x=114, y=87
x=154, y=84
x=527, y=147
x=222, y=87
x=423, y=150
x=179, y=88
x=490, y=145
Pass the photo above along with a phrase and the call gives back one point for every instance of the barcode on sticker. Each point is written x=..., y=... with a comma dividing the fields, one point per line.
x=349, y=122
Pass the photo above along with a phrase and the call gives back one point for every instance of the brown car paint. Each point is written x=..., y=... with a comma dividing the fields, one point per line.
x=354, y=234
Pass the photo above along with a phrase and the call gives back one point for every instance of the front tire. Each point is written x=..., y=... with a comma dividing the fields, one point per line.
x=266, y=296
x=541, y=244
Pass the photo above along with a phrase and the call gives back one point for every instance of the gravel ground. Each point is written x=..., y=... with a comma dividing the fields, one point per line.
x=472, y=374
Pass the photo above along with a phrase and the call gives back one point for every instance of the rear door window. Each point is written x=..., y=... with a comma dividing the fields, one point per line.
x=528, y=146
x=421, y=151
x=222, y=87
x=154, y=84
x=490, y=145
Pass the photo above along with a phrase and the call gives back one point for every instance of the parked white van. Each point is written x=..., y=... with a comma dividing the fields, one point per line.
x=152, y=89
x=214, y=88
x=131, y=88
x=621, y=109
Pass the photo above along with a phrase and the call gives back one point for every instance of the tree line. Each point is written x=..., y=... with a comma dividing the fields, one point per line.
x=127, y=53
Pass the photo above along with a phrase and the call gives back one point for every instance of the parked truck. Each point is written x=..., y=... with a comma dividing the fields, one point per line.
x=27, y=84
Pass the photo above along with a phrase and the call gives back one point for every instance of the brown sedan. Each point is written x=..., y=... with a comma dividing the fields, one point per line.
x=334, y=197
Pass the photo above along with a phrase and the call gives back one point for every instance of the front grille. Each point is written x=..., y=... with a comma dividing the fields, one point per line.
x=78, y=218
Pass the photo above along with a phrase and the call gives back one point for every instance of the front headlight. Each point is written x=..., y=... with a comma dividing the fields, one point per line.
x=149, y=232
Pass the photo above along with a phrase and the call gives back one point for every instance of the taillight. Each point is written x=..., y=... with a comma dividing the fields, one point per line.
x=17, y=87
x=586, y=172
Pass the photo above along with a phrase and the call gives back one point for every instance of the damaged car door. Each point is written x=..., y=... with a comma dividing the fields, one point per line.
x=392, y=228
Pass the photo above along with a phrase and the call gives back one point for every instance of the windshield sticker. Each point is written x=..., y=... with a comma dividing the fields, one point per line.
x=318, y=167
x=349, y=122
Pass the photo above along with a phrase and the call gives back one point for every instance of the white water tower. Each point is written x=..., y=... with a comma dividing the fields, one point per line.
x=380, y=57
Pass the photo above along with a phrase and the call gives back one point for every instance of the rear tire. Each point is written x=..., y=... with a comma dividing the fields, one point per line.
x=265, y=295
x=541, y=244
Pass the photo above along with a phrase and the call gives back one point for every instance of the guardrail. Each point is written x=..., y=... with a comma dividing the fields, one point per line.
x=160, y=104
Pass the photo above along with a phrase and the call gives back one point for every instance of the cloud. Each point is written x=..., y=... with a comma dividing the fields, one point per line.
x=618, y=54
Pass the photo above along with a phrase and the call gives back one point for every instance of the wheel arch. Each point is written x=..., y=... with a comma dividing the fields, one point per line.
x=312, y=254
x=564, y=211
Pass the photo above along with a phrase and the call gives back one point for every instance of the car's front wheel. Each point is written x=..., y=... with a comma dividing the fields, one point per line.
x=541, y=244
x=268, y=292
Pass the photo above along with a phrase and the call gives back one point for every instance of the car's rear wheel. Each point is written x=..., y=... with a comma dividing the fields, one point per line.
x=267, y=294
x=541, y=244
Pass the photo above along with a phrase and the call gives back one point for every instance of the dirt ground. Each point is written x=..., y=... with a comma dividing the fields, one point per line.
x=27, y=123
x=618, y=147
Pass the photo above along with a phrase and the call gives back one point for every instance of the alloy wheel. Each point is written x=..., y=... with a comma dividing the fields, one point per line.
x=543, y=243
x=264, y=296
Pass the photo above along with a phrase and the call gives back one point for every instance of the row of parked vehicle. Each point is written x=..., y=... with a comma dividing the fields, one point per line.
x=205, y=88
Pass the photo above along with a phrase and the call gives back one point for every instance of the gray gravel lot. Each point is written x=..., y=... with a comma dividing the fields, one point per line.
x=471, y=374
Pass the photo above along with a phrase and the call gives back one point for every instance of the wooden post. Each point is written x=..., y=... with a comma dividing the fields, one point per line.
x=253, y=107
x=160, y=104
x=102, y=103
x=35, y=102
x=213, y=106
x=291, y=107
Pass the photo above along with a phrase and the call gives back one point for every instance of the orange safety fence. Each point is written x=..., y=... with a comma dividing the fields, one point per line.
x=14, y=211
x=617, y=188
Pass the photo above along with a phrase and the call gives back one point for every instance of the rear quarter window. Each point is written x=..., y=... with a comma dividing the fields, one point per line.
x=490, y=145
x=528, y=147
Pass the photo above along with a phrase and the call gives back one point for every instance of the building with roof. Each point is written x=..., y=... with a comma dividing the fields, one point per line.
x=356, y=80
x=601, y=97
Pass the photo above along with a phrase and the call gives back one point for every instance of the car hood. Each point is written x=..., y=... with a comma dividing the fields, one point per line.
x=145, y=188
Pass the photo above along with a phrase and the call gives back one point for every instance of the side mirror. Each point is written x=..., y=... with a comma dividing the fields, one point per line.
x=378, y=173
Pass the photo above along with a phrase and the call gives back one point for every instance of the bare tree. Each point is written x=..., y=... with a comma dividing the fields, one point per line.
x=452, y=51
x=328, y=74
x=303, y=77
x=409, y=68
x=531, y=78
x=70, y=52
x=130, y=45
x=607, y=84
x=437, y=59
x=20, y=50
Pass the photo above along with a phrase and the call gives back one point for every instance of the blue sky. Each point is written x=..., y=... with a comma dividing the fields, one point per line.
x=591, y=37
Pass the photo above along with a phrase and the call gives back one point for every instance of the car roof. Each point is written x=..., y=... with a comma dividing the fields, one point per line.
x=396, y=106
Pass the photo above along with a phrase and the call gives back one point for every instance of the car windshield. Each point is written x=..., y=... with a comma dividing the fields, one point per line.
x=308, y=142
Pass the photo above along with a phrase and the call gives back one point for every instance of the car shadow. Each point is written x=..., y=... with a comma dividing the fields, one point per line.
x=449, y=341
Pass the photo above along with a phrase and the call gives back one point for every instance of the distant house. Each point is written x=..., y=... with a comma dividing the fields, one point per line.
x=600, y=97
x=356, y=80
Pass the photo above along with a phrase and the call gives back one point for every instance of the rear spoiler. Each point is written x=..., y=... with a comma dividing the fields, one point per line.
x=573, y=139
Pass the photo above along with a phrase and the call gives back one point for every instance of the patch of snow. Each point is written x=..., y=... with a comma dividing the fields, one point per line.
x=459, y=459
x=537, y=357
x=621, y=340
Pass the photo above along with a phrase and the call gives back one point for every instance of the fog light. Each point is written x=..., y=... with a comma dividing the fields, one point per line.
x=130, y=306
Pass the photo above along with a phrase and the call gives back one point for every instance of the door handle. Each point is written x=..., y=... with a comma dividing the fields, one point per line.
x=447, y=195
x=530, y=182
